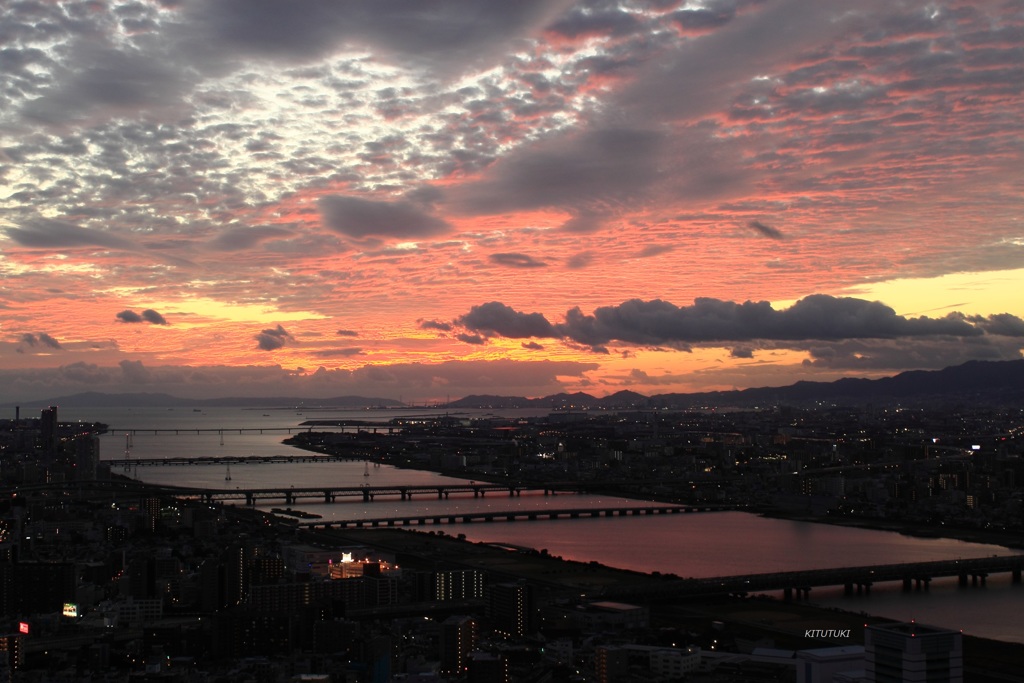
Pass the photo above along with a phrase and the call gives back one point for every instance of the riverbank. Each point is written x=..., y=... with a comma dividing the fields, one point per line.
x=1013, y=540
x=760, y=619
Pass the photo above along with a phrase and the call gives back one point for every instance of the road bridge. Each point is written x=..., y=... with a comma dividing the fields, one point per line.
x=329, y=494
x=184, y=460
x=912, y=576
x=341, y=426
x=423, y=519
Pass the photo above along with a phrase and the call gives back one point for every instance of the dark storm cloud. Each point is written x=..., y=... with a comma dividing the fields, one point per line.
x=439, y=32
x=922, y=353
x=583, y=172
x=766, y=230
x=1004, y=324
x=470, y=338
x=707, y=321
x=586, y=220
x=711, y=16
x=41, y=339
x=581, y=21
x=516, y=261
x=711, y=320
x=45, y=233
x=240, y=239
x=360, y=218
x=495, y=318
x=435, y=325
x=270, y=340
x=128, y=316
x=149, y=315
x=533, y=346
x=580, y=260
x=655, y=250
x=343, y=353
x=102, y=78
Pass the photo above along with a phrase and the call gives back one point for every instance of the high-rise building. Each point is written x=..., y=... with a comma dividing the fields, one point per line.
x=458, y=638
x=444, y=585
x=48, y=429
x=912, y=653
x=511, y=609
x=12, y=653
x=87, y=457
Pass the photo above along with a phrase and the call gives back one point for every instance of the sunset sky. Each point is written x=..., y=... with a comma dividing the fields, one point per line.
x=417, y=200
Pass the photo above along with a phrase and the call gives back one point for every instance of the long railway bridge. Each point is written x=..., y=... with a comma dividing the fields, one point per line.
x=912, y=576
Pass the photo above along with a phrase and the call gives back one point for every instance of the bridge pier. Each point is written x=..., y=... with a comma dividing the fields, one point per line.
x=848, y=588
x=328, y=498
x=962, y=579
x=250, y=499
x=1015, y=574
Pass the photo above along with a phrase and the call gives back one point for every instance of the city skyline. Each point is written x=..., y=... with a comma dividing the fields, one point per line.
x=327, y=198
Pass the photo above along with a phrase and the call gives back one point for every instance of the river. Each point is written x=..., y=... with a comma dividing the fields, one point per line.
x=697, y=545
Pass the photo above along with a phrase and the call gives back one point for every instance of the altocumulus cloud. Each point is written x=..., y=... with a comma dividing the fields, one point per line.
x=816, y=317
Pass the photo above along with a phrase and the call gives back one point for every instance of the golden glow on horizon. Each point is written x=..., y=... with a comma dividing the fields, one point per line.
x=207, y=309
x=987, y=293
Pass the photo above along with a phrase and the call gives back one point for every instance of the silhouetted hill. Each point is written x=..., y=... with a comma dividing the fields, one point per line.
x=984, y=382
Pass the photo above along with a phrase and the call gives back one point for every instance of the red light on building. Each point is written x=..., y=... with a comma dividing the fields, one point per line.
x=23, y=627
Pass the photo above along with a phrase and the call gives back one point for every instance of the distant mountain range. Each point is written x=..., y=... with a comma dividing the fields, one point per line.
x=94, y=399
x=982, y=382
x=974, y=382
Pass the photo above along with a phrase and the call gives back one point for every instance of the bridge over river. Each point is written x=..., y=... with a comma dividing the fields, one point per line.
x=309, y=426
x=511, y=516
x=368, y=493
x=912, y=575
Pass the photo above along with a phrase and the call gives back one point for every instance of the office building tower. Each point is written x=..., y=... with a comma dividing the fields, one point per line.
x=48, y=430
x=458, y=639
x=912, y=653
x=511, y=609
